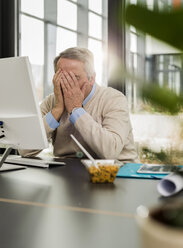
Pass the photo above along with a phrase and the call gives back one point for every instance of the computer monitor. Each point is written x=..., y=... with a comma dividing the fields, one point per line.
x=21, y=124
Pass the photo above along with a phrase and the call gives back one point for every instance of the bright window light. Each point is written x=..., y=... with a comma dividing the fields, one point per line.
x=67, y=14
x=32, y=45
x=33, y=7
x=95, y=26
x=65, y=39
x=95, y=5
x=133, y=1
x=150, y=4
x=96, y=48
x=133, y=42
x=32, y=39
x=133, y=29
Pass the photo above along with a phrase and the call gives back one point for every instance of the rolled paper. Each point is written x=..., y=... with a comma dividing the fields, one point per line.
x=170, y=184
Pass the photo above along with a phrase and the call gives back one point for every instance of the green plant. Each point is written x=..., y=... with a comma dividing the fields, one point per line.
x=164, y=25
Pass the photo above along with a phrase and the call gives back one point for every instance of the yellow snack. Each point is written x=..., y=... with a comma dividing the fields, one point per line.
x=104, y=174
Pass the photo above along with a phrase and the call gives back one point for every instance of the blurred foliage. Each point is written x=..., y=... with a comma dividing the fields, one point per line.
x=146, y=106
x=163, y=97
x=164, y=25
x=163, y=157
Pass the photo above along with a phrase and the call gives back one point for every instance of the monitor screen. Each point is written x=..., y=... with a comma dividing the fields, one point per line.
x=21, y=124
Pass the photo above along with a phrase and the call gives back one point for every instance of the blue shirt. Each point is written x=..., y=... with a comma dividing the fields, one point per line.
x=74, y=116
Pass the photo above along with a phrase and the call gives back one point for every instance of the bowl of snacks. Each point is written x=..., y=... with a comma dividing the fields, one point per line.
x=103, y=171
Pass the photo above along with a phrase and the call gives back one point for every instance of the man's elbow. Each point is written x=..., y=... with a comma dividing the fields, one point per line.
x=113, y=151
x=111, y=155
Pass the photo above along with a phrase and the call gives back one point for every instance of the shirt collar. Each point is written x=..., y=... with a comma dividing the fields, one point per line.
x=90, y=95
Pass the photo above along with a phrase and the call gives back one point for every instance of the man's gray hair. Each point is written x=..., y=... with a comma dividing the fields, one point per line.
x=80, y=54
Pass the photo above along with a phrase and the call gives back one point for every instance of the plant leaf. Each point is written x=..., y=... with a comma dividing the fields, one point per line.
x=165, y=25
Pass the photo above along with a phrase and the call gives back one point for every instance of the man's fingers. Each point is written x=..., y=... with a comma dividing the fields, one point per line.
x=56, y=78
x=69, y=79
x=64, y=85
x=63, y=89
x=56, y=73
x=75, y=81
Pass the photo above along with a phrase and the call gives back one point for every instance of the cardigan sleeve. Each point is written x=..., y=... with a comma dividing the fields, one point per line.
x=107, y=139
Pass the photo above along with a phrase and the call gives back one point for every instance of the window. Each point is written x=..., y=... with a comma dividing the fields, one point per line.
x=67, y=14
x=32, y=39
x=96, y=6
x=150, y=59
x=65, y=39
x=95, y=26
x=33, y=7
x=32, y=42
x=152, y=62
x=97, y=37
x=96, y=47
x=48, y=27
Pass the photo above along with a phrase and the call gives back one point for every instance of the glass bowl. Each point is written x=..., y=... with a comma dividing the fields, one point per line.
x=106, y=171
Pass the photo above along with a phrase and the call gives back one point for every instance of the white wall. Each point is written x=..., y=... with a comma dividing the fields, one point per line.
x=157, y=131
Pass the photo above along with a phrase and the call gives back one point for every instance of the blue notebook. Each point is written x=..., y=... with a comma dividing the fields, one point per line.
x=129, y=170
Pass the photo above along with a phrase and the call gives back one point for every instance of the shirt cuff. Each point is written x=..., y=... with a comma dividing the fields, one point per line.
x=51, y=121
x=76, y=114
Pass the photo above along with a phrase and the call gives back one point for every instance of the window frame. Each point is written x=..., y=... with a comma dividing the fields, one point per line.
x=50, y=23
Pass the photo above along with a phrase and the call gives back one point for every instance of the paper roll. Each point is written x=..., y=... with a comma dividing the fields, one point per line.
x=170, y=184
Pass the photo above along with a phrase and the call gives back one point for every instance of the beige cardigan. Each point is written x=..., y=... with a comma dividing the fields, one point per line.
x=104, y=130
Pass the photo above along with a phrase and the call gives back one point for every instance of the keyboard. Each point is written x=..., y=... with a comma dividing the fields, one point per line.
x=7, y=167
x=45, y=163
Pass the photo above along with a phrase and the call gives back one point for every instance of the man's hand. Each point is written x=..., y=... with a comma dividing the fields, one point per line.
x=73, y=95
x=58, y=109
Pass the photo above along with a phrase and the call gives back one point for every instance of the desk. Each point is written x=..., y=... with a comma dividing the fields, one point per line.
x=59, y=207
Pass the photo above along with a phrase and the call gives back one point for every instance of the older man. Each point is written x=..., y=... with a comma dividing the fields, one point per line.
x=97, y=116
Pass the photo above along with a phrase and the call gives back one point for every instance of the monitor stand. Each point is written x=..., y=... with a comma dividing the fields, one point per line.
x=8, y=167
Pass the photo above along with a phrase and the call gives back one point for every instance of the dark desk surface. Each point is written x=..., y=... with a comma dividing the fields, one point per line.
x=59, y=207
